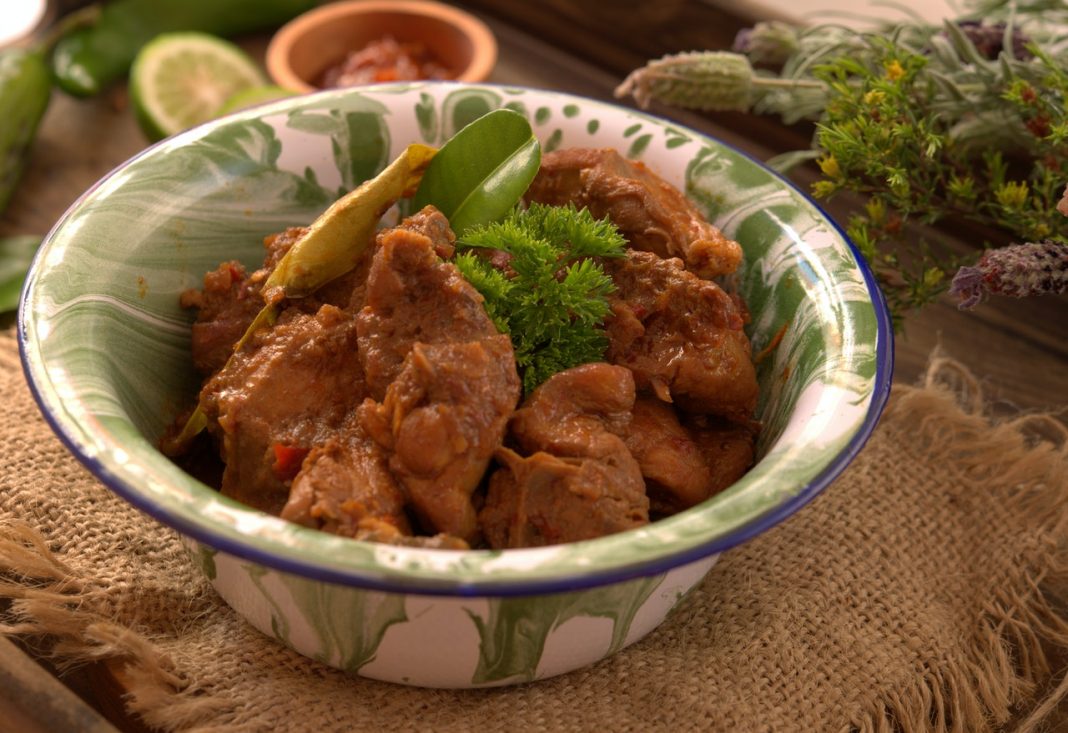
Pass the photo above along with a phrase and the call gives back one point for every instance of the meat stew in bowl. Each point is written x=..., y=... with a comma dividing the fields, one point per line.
x=391, y=406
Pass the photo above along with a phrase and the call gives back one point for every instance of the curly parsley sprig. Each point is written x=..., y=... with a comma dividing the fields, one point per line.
x=548, y=291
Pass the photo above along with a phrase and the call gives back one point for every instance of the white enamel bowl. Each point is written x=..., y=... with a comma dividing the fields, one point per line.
x=105, y=348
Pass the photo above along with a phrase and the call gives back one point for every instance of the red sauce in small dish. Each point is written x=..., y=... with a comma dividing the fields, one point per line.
x=384, y=60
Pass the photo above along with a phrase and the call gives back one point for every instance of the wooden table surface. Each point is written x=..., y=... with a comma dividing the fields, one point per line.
x=1018, y=349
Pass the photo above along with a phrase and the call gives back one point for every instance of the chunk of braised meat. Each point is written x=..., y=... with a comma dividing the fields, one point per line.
x=288, y=389
x=579, y=412
x=225, y=308
x=278, y=246
x=433, y=225
x=414, y=296
x=729, y=448
x=685, y=462
x=651, y=213
x=229, y=301
x=542, y=499
x=577, y=480
x=442, y=379
x=344, y=487
x=349, y=290
x=440, y=423
x=681, y=336
x=231, y=298
x=675, y=472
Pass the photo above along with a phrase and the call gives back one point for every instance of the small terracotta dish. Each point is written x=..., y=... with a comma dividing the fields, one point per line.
x=302, y=50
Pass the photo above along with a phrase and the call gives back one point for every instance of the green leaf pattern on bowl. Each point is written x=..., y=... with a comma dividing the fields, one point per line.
x=483, y=641
x=514, y=633
x=351, y=645
x=359, y=137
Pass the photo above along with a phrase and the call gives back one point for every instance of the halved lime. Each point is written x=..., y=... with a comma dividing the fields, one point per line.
x=251, y=97
x=182, y=79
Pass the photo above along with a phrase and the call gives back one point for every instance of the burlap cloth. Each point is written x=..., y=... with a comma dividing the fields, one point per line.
x=912, y=595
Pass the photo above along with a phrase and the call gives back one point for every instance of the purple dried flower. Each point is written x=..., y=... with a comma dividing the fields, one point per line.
x=989, y=39
x=1019, y=270
x=742, y=41
x=769, y=42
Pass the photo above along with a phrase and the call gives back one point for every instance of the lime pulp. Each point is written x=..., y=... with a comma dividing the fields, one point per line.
x=179, y=80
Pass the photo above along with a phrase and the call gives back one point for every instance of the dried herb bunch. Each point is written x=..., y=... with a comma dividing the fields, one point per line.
x=963, y=122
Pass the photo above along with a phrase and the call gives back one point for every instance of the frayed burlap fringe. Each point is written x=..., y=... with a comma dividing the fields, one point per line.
x=59, y=614
x=1000, y=675
x=1006, y=656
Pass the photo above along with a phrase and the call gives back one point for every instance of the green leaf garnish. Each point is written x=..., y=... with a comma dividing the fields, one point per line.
x=552, y=297
x=16, y=254
x=482, y=171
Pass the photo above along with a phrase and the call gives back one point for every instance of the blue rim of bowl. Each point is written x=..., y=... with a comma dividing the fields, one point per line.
x=390, y=579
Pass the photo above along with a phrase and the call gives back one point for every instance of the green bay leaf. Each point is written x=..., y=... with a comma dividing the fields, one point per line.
x=482, y=171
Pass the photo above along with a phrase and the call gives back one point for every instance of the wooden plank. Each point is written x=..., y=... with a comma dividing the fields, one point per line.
x=33, y=701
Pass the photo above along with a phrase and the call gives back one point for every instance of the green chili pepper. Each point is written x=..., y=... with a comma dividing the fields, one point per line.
x=16, y=254
x=89, y=58
x=25, y=88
